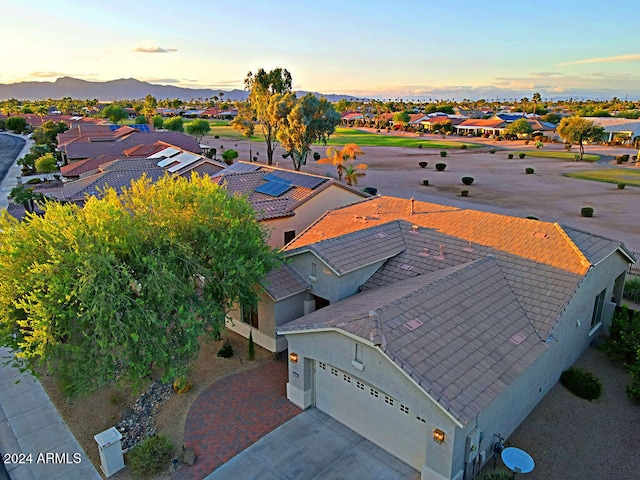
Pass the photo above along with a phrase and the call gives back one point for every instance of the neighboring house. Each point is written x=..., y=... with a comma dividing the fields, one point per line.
x=89, y=141
x=618, y=130
x=286, y=203
x=351, y=118
x=477, y=127
x=436, y=327
x=437, y=121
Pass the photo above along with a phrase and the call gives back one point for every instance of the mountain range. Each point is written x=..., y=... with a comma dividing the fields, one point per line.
x=124, y=88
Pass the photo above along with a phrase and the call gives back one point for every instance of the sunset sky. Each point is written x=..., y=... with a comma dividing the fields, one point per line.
x=391, y=49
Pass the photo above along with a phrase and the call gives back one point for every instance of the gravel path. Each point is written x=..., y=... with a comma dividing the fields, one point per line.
x=571, y=438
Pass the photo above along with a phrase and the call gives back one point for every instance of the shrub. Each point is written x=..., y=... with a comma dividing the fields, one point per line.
x=526, y=142
x=17, y=124
x=151, y=456
x=425, y=182
x=443, y=154
x=581, y=383
x=316, y=156
x=529, y=170
x=531, y=217
x=492, y=150
x=229, y=156
x=522, y=155
x=586, y=211
x=419, y=145
x=576, y=157
x=619, y=159
x=621, y=185
x=467, y=180
x=216, y=136
x=625, y=157
x=464, y=193
x=370, y=190
x=632, y=290
x=226, y=351
x=510, y=156
x=181, y=385
x=441, y=166
x=34, y=181
x=463, y=147
x=423, y=164
x=567, y=147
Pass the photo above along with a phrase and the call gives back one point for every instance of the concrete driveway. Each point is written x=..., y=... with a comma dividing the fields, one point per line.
x=313, y=446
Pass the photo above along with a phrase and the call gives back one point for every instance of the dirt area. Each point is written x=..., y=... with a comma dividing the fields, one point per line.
x=95, y=413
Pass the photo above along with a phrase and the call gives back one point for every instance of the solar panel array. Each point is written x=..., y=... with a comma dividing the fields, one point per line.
x=185, y=159
x=167, y=152
x=274, y=188
x=239, y=167
x=297, y=179
x=141, y=127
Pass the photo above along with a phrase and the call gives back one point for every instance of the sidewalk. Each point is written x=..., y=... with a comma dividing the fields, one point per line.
x=32, y=432
x=11, y=180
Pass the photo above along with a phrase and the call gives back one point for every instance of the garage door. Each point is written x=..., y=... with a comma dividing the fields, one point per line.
x=372, y=413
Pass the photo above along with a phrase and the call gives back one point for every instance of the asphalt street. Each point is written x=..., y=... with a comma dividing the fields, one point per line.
x=10, y=148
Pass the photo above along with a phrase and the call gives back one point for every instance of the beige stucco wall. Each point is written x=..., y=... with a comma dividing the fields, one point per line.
x=332, y=197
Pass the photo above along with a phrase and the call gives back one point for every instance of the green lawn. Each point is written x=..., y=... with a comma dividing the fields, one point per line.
x=350, y=135
x=610, y=175
x=588, y=157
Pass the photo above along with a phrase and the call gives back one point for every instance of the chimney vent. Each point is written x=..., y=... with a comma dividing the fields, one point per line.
x=411, y=206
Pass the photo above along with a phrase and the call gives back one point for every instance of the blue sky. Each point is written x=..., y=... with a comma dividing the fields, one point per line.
x=389, y=49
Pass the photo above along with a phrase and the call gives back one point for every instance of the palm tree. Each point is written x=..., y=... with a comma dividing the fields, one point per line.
x=343, y=161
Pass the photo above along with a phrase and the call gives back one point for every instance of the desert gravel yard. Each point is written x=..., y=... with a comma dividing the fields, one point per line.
x=573, y=439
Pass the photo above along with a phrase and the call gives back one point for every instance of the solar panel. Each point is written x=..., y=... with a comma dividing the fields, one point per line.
x=297, y=179
x=274, y=188
x=238, y=167
x=167, y=152
x=114, y=127
x=184, y=161
x=141, y=127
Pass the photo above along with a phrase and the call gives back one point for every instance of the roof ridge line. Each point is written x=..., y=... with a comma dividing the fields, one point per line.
x=583, y=259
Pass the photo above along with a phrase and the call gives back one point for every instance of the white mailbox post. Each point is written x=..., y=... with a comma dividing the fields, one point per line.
x=111, y=457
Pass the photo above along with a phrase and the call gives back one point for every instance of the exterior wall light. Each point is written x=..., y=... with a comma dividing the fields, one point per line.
x=293, y=357
x=438, y=436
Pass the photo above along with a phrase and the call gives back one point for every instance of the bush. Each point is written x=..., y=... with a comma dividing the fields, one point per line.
x=463, y=147
x=619, y=159
x=632, y=290
x=443, y=154
x=251, y=350
x=529, y=170
x=567, y=147
x=229, y=156
x=625, y=157
x=581, y=383
x=621, y=185
x=316, y=156
x=586, y=211
x=441, y=166
x=492, y=150
x=510, y=156
x=531, y=217
x=370, y=190
x=576, y=157
x=34, y=181
x=526, y=142
x=464, y=193
x=151, y=456
x=226, y=351
x=467, y=180
x=216, y=136
x=423, y=164
x=522, y=155
x=425, y=182
x=419, y=145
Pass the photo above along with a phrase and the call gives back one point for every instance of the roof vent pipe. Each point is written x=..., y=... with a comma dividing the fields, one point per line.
x=411, y=206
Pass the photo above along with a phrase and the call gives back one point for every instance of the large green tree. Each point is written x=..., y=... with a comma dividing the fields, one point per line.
x=198, y=128
x=149, y=107
x=174, y=124
x=115, y=113
x=519, y=127
x=309, y=120
x=129, y=282
x=46, y=164
x=579, y=130
x=265, y=93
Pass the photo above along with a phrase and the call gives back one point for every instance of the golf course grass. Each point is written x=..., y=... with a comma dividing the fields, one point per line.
x=588, y=157
x=366, y=139
x=609, y=175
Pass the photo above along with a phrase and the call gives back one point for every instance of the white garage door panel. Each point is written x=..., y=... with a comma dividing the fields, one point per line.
x=371, y=413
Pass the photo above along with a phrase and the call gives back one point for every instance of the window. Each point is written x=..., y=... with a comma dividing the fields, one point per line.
x=314, y=270
x=288, y=236
x=598, y=306
x=250, y=316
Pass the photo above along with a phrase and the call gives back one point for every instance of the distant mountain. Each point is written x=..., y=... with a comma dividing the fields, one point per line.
x=124, y=88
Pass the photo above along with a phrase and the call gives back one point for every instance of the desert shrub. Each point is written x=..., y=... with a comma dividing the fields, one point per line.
x=443, y=154
x=510, y=156
x=316, y=156
x=625, y=157
x=17, y=124
x=467, y=180
x=576, y=157
x=463, y=147
x=370, y=190
x=567, y=147
x=34, y=181
x=419, y=145
x=529, y=170
x=581, y=383
x=526, y=142
x=151, y=456
x=226, y=351
x=492, y=150
x=586, y=211
x=531, y=217
x=229, y=156
x=216, y=136
x=441, y=166
x=464, y=193
x=632, y=290
x=621, y=185
x=619, y=159
x=423, y=164
x=522, y=155
x=425, y=182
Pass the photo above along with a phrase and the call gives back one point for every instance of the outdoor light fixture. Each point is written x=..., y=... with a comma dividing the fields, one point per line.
x=293, y=357
x=438, y=436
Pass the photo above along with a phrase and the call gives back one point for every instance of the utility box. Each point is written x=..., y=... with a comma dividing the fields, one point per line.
x=110, y=448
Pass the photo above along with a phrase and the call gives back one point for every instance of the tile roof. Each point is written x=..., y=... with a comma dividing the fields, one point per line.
x=595, y=247
x=81, y=167
x=283, y=282
x=542, y=242
x=462, y=353
x=485, y=123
